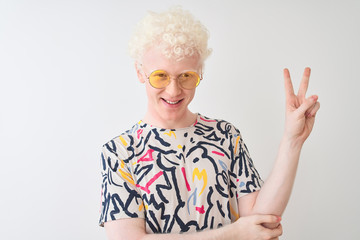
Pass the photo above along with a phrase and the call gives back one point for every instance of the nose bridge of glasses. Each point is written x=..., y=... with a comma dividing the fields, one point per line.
x=174, y=87
x=171, y=76
x=173, y=79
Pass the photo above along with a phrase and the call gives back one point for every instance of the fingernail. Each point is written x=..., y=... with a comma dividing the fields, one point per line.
x=315, y=98
x=279, y=218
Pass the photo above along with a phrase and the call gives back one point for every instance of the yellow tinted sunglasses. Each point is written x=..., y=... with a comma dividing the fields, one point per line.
x=160, y=79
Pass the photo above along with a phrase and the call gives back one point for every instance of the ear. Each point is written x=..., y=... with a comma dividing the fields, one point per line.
x=201, y=71
x=139, y=72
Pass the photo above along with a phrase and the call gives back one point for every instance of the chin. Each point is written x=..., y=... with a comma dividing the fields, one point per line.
x=172, y=115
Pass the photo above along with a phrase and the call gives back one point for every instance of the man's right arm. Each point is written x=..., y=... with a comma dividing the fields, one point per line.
x=244, y=228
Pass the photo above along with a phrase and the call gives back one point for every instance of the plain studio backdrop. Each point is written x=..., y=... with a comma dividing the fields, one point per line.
x=68, y=86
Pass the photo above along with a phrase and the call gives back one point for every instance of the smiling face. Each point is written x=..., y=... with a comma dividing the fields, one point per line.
x=168, y=107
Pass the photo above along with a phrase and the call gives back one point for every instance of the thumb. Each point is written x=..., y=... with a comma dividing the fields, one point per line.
x=260, y=219
x=307, y=104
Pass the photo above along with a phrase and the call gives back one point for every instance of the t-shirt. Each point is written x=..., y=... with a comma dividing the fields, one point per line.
x=178, y=180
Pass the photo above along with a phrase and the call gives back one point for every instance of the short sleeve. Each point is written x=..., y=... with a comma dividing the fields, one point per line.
x=248, y=179
x=120, y=197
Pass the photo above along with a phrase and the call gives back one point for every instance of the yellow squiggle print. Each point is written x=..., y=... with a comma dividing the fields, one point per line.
x=237, y=142
x=200, y=175
x=170, y=133
x=123, y=141
x=233, y=212
x=127, y=176
x=141, y=206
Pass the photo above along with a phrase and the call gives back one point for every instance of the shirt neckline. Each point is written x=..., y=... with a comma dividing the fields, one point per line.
x=143, y=125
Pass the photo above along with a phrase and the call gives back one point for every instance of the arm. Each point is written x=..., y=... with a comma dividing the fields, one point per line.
x=300, y=117
x=244, y=228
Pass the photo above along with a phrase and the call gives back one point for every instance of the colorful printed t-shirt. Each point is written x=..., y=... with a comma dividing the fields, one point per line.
x=178, y=180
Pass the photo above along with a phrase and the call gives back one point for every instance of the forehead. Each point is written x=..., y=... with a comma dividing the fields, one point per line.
x=154, y=59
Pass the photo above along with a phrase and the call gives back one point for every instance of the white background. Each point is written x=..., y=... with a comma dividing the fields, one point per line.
x=68, y=86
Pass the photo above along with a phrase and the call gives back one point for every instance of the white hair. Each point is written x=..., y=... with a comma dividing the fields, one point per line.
x=176, y=32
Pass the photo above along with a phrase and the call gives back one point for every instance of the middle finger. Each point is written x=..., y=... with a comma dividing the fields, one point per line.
x=304, y=83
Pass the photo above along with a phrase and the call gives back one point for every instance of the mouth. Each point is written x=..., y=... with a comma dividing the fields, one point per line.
x=171, y=102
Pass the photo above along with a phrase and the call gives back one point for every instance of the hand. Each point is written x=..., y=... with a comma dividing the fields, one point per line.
x=251, y=227
x=300, y=111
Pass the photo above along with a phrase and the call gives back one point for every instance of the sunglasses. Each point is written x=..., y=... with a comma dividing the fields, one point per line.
x=160, y=79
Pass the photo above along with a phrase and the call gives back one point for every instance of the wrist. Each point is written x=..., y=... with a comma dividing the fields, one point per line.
x=292, y=143
x=225, y=232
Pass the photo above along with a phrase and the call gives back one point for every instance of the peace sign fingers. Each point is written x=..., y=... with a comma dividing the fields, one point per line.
x=304, y=84
x=300, y=111
x=289, y=89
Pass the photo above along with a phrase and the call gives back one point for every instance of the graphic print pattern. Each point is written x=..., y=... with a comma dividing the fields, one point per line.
x=178, y=180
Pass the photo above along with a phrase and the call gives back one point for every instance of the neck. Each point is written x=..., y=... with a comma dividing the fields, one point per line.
x=187, y=120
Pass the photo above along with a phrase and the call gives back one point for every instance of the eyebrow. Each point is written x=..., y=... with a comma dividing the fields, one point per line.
x=185, y=71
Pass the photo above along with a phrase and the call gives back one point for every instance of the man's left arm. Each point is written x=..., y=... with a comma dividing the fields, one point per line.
x=300, y=117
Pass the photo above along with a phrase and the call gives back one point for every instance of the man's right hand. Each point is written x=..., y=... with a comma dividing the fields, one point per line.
x=252, y=227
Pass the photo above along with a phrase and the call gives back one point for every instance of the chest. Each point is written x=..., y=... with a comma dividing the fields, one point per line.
x=172, y=165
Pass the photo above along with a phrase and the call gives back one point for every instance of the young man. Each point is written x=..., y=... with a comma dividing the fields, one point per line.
x=186, y=175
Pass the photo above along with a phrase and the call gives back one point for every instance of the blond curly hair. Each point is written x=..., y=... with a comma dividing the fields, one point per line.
x=176, y=32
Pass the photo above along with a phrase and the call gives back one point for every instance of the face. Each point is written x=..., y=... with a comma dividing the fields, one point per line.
x=168, y=107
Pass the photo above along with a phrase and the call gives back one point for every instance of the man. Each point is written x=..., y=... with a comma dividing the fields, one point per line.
x=186, y=175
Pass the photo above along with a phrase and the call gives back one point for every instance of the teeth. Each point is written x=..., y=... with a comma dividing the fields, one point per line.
x=170, y=102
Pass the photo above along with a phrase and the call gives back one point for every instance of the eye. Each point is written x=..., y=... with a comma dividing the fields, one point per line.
x=161, y=75
x=186, y=75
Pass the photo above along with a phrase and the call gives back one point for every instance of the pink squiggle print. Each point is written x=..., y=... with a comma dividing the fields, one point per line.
x=200, y=210
x=218, y=153
x=207, y=120
x=139, y=132
x=186, y=181
x=147, y=157
x=152, y=180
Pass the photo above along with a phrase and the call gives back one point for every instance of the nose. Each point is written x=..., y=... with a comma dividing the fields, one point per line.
x=173, y=89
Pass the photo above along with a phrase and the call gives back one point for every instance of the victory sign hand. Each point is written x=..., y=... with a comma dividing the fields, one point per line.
x=300, y=111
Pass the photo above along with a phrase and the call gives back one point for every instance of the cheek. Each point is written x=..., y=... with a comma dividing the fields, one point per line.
x=191, y=94
x=150, y=91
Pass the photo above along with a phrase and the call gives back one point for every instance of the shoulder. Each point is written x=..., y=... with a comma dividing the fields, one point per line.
x=118, y=146
x=220, y=125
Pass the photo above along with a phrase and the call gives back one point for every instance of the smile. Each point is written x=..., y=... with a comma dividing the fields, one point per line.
x=170, y=102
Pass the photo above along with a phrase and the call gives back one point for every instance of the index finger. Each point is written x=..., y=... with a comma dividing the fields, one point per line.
x=304, y=83
x=289, y=89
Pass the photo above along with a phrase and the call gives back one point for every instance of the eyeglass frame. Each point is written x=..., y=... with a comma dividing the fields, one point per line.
x=148, y=77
